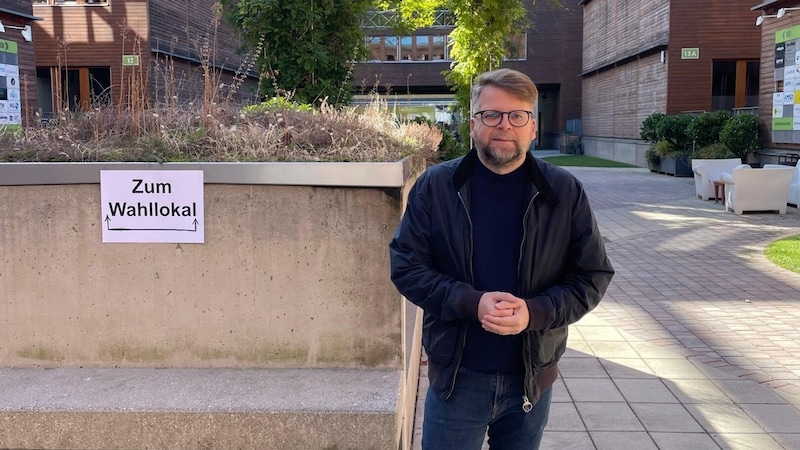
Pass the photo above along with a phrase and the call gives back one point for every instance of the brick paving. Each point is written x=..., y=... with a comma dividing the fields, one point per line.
x=697, y=341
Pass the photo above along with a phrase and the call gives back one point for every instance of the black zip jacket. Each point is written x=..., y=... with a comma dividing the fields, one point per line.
x=563, y=267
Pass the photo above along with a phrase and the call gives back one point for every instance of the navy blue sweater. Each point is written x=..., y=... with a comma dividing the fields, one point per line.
x=497, y=206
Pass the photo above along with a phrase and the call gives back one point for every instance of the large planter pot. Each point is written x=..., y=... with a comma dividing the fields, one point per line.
x=677, y=167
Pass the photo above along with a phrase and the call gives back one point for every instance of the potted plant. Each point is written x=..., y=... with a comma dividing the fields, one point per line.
x=670, y=150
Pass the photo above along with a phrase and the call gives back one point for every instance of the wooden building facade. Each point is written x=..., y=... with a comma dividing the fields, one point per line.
x=17, y=64
x=549, y=51
x=779, y=116
x=125, y=52
x=668, y=56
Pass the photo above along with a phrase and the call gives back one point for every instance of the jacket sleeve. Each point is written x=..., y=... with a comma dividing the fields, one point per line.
x=585, y=275
x=414, y=267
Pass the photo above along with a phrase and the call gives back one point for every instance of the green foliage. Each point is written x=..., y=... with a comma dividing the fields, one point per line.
x=307, y=47
x=653, y=160
x=740, y=135
x=717, y=150
x=481, y=38
x=649, y=130
x=674, y=129
x=276, y=104
x=666, y=148
x=705, y=128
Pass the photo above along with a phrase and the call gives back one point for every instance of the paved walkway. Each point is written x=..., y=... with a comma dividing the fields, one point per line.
x=697, y=342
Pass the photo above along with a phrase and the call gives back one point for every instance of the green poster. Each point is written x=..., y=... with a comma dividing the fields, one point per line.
x=782, y=124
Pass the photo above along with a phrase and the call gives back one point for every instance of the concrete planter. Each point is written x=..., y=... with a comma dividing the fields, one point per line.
x=293, y=274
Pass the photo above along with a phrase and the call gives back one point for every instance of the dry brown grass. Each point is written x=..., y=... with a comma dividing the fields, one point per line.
x=227, y=133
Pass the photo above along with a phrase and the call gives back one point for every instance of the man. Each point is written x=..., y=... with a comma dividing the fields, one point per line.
x=502, y=252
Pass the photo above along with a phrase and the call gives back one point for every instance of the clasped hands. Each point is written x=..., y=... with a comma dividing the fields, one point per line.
x=502, y=313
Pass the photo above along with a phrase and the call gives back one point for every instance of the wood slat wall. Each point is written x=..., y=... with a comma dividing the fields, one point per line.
x=616, y=29
x=722, y=30
x=92, y=36
x=634, y=83
x=617, y=101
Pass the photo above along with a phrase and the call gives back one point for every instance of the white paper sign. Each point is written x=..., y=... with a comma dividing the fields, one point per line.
x=789, y=85
x=152, y=206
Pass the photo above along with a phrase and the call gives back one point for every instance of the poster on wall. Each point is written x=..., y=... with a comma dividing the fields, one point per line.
x=786, y=96
x=10, y=101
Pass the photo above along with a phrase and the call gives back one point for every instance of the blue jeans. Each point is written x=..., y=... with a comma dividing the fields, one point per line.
x=480, y=401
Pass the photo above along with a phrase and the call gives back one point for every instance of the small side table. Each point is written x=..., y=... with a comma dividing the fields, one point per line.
x=719, y=186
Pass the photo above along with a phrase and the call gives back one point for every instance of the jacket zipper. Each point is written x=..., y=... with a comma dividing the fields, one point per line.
x=463, y=336
x=526, y=339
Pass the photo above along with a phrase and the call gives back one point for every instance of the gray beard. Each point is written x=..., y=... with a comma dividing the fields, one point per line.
x=497, y=159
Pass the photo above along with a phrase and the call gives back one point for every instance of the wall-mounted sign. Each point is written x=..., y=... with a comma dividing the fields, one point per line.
x=690, y=53
x=130, y=60
x=152, y=206
x=786, y=97
x=10, y=104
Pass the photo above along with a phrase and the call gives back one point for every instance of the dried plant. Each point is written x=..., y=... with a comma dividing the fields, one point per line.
x=173, y=133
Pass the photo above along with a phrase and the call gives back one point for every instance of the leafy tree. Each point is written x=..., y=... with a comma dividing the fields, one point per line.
x=306, y=48
x=480, y=40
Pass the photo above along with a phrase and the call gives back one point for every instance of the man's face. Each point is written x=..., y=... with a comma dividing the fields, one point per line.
x=501, y=148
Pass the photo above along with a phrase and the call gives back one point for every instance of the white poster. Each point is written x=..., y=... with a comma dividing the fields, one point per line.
x=152, y=206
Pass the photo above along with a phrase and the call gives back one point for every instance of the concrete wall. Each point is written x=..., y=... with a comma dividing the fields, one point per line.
x=294, y=273
x=630, y=151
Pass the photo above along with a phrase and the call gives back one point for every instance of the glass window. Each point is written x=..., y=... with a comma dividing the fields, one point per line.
x=375, y=45
x=734, y=84
x=407, y=48
x=517, y=47
x=423, y=48
x=390, y=48
x=438, y=48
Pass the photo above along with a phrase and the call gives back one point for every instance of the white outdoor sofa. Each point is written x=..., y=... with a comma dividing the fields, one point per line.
x=707, y=171
x=794, y=188
x=766, y=189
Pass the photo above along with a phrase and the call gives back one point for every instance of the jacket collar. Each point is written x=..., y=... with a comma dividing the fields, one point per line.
x=532, y=168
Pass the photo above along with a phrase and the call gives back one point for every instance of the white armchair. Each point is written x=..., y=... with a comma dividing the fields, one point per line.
x=764, y=189
x=707, y=171
x=794, y=188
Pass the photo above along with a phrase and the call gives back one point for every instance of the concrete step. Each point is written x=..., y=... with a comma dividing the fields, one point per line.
x=199, y=408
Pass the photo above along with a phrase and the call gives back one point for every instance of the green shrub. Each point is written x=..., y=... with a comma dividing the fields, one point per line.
x=653, y=160
x=674, y=129
x=665, y=149
x=649, y=130
x=705, y=128
x=740, y=135
x=715, y=151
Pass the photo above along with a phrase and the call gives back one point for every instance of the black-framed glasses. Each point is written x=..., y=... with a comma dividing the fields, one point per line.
x=517, y=118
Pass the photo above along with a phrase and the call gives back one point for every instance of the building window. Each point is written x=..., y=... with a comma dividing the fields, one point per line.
x=419, y=48
x=518, y=47
x=70, y=2
x=78, y=89
x=734, y=85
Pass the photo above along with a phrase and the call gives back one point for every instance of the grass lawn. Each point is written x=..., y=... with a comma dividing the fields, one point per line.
x=583, y=161
x=785, y=253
